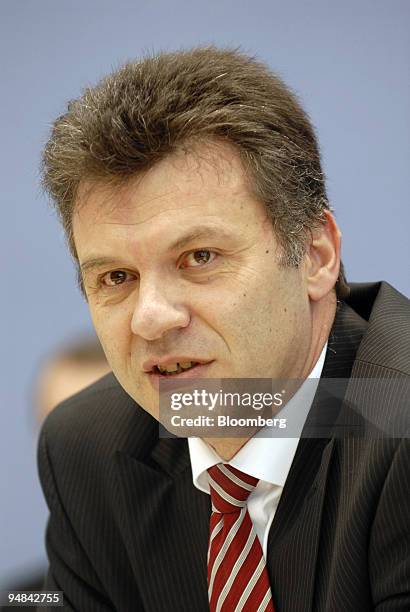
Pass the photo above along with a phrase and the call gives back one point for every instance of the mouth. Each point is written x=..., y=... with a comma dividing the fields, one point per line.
x=178, y=369
x=175, y=369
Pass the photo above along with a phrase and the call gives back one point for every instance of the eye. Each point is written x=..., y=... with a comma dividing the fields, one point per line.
x=198, y=258
x=116, y=277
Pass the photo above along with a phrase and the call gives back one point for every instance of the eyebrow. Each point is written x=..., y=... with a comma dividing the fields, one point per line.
x=197, y=233
x=96, y=262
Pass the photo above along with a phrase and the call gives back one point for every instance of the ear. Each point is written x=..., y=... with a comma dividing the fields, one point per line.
x=323, y=259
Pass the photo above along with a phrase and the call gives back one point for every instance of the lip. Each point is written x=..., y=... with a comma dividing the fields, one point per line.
x=198, y=371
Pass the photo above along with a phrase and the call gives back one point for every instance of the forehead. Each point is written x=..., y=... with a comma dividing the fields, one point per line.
x=206, y=185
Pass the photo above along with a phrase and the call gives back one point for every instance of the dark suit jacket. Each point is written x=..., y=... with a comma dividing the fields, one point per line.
x=128, y=531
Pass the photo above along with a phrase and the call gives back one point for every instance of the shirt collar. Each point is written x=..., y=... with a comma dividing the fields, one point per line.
x=268, y=459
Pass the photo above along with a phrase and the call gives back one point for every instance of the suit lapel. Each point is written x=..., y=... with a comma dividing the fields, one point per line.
x=165, y=527
x=294, y=537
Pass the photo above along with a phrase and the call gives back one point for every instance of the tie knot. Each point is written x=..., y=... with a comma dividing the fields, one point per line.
x=230, y=488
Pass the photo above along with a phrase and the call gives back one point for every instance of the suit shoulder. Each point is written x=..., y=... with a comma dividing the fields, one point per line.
x=386, y=343
x=100, y=400
x=102, y=417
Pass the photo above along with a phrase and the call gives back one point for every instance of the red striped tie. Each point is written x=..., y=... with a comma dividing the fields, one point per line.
x=237, y=576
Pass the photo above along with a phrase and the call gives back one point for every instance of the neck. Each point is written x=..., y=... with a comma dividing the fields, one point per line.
x=226, y=448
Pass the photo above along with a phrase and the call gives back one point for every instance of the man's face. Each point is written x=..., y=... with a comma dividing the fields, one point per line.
x=180, y=265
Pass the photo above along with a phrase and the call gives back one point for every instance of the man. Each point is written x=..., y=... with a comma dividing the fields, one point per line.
x=191, y=192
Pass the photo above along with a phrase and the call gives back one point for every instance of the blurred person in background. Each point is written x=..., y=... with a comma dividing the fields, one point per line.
x=63, y=372
x=66, y=371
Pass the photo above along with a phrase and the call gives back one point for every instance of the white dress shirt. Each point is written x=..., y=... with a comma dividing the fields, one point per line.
x=268, y=459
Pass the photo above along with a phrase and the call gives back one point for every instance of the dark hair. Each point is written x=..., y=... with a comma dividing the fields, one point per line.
x=148, y=109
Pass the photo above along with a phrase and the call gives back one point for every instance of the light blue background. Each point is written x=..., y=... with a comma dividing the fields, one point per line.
x=349, y=62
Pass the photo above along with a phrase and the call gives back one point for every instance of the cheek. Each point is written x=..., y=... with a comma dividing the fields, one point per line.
x=240, y=317
x=274, y=309
x=112, y=330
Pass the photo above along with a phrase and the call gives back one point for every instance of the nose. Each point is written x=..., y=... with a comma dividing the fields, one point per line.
x=157, y=311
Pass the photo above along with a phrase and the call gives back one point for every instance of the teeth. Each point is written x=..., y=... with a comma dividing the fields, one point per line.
x=186, y=365
x=173, y=368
